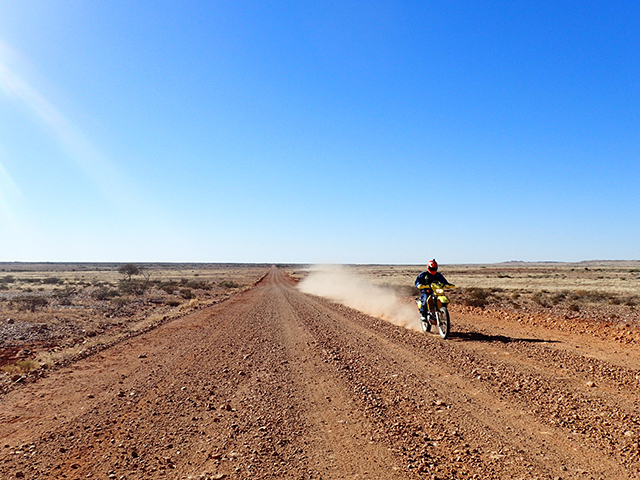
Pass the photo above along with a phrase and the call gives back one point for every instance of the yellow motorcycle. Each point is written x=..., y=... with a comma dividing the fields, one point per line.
x=437, y=312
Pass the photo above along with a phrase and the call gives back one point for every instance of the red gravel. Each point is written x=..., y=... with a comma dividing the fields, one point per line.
x=276, y=384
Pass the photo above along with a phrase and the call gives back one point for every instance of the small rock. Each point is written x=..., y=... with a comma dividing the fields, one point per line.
x=142, y=355
x=591, y=384
x=11, y=321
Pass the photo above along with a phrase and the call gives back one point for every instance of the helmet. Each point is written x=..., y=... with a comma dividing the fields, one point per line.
x=432, y=266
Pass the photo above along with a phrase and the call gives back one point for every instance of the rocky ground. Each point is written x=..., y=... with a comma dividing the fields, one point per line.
x=273, y=383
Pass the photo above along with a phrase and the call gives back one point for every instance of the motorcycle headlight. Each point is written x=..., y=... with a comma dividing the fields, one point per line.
x=439, y=291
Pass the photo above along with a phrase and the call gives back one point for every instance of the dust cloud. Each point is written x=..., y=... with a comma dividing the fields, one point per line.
x=336, y=283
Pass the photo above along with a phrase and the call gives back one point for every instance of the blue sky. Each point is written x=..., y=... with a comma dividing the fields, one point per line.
x=333, y=131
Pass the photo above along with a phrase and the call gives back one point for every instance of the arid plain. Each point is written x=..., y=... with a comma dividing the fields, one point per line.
x=233, y=371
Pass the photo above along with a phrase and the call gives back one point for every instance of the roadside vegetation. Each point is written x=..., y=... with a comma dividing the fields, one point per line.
x=566, y=300
x=51, y=313
x=598, y=291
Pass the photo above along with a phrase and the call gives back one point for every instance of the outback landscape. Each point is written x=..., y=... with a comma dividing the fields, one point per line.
x=211, y=371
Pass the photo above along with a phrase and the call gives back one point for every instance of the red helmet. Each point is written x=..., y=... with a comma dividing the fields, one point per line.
x=432, y=267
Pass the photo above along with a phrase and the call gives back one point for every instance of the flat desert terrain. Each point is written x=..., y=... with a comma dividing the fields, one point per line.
x=284, y=372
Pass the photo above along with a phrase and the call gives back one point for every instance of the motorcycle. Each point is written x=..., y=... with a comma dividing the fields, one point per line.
x=438, y=314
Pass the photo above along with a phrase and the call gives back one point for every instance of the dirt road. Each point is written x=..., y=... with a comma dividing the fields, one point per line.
x=277, y=384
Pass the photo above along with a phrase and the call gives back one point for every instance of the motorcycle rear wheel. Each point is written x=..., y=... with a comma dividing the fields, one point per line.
x=444, y=324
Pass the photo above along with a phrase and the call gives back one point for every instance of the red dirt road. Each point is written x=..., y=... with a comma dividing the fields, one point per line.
x=276, y=384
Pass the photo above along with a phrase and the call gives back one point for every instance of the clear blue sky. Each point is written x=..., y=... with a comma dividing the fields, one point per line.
x=333, y=131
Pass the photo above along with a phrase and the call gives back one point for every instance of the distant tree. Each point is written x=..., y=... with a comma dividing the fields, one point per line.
x=129, y=270
x=146, y=273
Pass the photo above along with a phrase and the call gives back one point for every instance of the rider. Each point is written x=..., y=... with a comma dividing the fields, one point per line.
x=427, y=278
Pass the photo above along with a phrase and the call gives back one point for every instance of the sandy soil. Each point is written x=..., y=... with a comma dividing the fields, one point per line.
x=274, y=384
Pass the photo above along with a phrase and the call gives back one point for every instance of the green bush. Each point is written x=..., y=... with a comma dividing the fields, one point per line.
x=228, y=284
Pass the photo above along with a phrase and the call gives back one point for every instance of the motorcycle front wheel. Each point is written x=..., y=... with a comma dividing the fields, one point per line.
x=442, y=317
x=426, y=326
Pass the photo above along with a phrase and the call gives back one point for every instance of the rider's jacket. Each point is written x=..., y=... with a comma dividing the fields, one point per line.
x=426, y=278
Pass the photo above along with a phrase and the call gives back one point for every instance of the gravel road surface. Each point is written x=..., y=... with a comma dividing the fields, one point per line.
x=277, y=384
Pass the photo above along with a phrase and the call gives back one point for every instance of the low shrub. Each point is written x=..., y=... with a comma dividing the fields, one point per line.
x=133, y=287
x=556, y=298
x=475, y=297
x=228, y=284
x=120, y=302
x=64, y=295
x=31, y=280
x=540, y=298
x=30, y=302
x=104, y=293
x=52, y=281
x=187, y=294
x=198, y=284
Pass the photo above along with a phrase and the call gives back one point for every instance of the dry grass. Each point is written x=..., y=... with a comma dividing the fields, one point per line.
x=608, y=290
x=21, y=367
x=59, y=312
x=89, y=306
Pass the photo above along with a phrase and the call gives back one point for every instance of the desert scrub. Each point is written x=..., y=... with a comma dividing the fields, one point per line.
x=120, y=302
x=133, y=287
x=187, y=293
x=167, y=287
x=30, y=302
x=228, y=284
x=52, y=281
x=104, y=293
x=65, y=295
x=198, y=284
x=476, y=296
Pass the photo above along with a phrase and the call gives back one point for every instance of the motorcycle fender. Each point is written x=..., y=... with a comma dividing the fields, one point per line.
x=442, y=300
